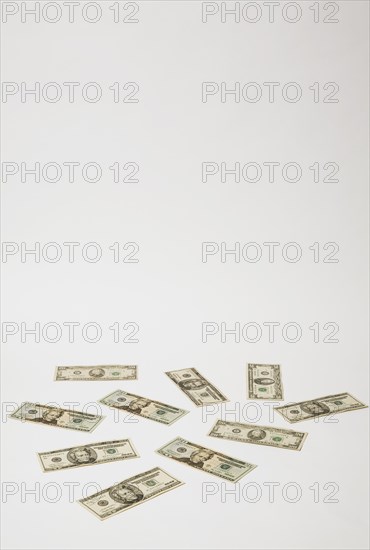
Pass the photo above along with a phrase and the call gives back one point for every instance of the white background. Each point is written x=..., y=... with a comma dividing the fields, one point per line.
x=170, y=292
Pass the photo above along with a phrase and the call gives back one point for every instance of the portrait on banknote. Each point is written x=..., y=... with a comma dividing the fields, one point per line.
x=49, y=416
x=126, y=494
x=82, y=455
x=197, y=459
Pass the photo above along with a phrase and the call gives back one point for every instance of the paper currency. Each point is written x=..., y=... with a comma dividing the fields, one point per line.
x=206, y=459
x=196, y=387
x=54, y=416
x=130, y=492
x=322, y=406
x=141, y=406
x=264, y=382
x=86, y=455
x=259, y=435
x=98, y=372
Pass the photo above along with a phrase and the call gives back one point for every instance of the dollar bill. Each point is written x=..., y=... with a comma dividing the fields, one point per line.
x=141, y=406
x=86, y=455
x=259, y=435
x=196, y=387
x=322, y=406
x=54, y=416
x=264, y=382
x=206, y=459
x=98, y=372
x=130, y=492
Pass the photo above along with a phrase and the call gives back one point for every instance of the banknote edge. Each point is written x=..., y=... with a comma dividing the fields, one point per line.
x=299, y=448
x=85, y=465
x=214, y=451
x=37, y=404
x=225, y=400
x=265, y=398
x=91, y=464
x=91, y=379
x=101, y=418
x=363, y=406
x=323, y=397
x=184, y=411
x=177, y=386
x=97, y=424
x=253, y=425
x=302, y=442
x=180, y=484
x=62, y=427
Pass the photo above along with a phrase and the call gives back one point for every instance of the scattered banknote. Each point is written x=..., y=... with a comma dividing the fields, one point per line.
x=205, y=459
x=130, y=492
x=260, y=435
x=54, y=416
x=98, y=372
x=322, y=406
x=85, y=455
x=264, y=382
x=141, y=406
x=196, y=387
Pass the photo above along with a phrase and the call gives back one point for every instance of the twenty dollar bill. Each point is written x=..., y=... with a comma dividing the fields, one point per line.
x=196, y=387
x=85, y=455
x=141, y=406
x=205, y=459
x=322, y=406
x=264, y=382
x=98, y=372
x=130, y=492
x=54, y=416
x=260, y=435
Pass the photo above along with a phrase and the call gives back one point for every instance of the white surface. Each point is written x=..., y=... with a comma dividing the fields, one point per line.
x=170, y=292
